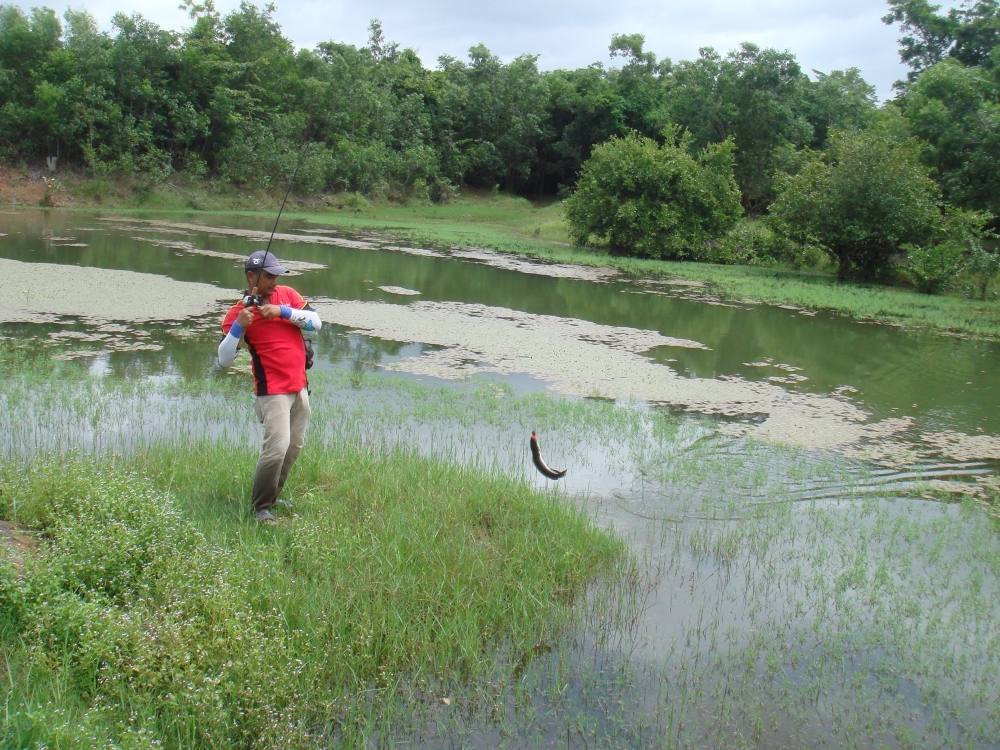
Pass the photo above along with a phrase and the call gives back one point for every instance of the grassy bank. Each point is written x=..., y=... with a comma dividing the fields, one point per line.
x=155, y=612
x=516, y=225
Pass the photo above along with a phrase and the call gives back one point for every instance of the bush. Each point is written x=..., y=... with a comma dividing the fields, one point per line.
x=753, y=242
x=96, y=189
x=655, y=201
x=862, y=199
x=107, y=538
x=984, y=271
x=957, y=247
x=352, y=202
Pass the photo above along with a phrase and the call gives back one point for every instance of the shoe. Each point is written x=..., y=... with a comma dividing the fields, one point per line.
x=265, y=517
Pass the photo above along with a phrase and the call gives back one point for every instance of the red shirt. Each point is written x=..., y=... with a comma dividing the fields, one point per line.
x=276, y=348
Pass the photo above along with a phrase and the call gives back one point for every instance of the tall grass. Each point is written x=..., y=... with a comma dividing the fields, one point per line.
x=157, y=610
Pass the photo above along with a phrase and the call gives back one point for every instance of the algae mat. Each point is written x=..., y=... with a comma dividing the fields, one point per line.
x=580, y=358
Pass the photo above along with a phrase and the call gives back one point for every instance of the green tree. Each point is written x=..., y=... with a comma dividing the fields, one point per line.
x=638, y=85
x=582, y=109
x=954, y=109
x=756, y=97
x=862, y=199
x=655, y=200
x=495, y=115
x=838, y=100
x=970, y=34
x=31, y=107
x=956, y=246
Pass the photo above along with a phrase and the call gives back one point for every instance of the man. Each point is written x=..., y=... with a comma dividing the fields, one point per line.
x=271, y=320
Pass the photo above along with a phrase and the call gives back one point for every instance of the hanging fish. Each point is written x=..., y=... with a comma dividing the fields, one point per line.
x=536, y=457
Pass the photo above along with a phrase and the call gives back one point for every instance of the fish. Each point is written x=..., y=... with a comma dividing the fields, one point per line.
x=536, y=458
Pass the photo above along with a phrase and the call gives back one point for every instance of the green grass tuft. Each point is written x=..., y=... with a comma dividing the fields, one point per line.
x=157, y=611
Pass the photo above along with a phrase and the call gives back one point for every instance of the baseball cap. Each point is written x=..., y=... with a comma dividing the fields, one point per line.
x=257, y=262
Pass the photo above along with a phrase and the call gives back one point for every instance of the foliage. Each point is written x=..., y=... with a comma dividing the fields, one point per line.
x=754, y=242
x=956, y=246
x=862, y=199
x=759, y=98
x=969, y=33
x=230, y=98
x=955, y=110
x=655, y=200
x=139, y=625
x=839, y=100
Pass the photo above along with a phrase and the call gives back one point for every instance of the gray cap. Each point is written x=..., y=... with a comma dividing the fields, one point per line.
x=270, y=264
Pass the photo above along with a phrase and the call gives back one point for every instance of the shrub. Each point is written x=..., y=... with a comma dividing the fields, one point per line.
x=955, y=248
x=753, y=242
x=652, y=200
x=110, y=530
x=862, y=199
x=95, y=189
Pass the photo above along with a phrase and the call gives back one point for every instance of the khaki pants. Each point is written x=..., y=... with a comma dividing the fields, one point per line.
x=285, y=418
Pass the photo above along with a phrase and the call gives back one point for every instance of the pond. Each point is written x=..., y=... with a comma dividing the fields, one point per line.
x=767, y=464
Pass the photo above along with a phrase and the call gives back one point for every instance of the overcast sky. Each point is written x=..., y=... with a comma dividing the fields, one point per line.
x=823, y=35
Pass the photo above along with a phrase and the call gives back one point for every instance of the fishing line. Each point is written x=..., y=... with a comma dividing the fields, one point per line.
x=252, y=299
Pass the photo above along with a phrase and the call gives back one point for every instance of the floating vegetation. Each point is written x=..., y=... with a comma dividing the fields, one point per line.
x=580, y=358
x=399, y=290
x=293, y=267
x=40, y=292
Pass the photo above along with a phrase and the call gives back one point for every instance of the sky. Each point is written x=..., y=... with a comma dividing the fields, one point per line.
x=822, y=35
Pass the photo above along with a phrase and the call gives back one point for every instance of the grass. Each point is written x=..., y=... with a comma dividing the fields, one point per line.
x=158, y=615
x=157, y=607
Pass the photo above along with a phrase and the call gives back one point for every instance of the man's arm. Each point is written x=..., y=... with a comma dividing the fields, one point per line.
x=305, y=318
x=231, y=342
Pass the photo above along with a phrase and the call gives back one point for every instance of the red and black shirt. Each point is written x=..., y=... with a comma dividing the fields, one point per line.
x=276, y=348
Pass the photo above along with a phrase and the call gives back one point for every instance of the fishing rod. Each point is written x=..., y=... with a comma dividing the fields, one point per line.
x=252, y=299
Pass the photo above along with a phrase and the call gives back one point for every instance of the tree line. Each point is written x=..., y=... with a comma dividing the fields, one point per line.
x=230, y=97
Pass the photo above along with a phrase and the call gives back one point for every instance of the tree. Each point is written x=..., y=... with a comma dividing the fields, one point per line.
x=757, y=97
x=954, y=109
x=956, y=246
x=861, y=199
x=638, y=85
x=838, y=100
x=30, y=106
x=653, y=200
x=582, y=110
x=969, y=34
x=492, y=118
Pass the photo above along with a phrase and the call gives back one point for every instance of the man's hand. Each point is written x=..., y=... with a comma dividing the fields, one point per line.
x=245, y=318
x=270, y=311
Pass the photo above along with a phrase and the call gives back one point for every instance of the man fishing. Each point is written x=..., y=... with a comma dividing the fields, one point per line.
x=271, y=320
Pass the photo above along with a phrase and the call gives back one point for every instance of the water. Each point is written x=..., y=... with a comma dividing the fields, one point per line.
x=941, y=382
x=782, y=596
